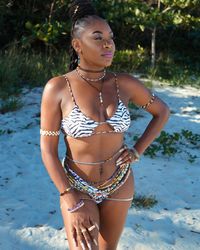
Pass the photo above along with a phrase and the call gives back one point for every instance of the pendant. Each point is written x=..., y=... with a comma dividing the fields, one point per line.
x=100, y=98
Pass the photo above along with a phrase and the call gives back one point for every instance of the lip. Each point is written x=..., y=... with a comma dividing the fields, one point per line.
x=108, y=54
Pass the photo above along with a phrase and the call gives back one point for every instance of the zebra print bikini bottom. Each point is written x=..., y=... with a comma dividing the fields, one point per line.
x=102, y=191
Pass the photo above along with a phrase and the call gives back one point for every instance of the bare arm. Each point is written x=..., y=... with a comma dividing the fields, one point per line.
x=50, y=120
x=140, y=95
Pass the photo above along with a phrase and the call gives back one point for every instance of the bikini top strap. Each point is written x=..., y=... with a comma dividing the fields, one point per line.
x=70, y=89
x=117, y=85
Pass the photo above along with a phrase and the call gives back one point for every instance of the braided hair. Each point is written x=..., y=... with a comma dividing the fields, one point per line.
x=81, y=13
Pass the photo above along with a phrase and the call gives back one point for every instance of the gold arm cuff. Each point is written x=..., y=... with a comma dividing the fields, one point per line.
x=149, y=103
x=49, y=133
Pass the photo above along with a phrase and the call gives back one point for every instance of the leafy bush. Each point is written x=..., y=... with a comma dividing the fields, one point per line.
x=174, y=70
x=169, y=144
x=143, y=201
x=129, y=60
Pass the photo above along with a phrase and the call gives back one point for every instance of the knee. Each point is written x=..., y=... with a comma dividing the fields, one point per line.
x=107, y=246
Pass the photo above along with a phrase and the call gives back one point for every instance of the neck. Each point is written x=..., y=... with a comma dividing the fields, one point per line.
x=90, y=70
x=92, y=75
x=93, y=79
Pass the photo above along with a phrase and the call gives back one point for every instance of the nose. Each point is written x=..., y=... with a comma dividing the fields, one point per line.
x=107, y=44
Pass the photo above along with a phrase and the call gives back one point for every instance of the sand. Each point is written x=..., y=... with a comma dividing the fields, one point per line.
x=30, y=217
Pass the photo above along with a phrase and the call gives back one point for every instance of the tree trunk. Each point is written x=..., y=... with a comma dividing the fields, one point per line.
x=153, y=47
x=153, y=42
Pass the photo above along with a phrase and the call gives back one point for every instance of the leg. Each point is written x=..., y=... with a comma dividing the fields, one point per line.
x=92, y=209
x=113, y=216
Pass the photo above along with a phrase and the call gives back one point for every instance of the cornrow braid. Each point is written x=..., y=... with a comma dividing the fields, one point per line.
x=73, y=58
x=81, y=13
x=79, y=9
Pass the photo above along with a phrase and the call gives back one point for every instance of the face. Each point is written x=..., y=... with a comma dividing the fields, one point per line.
x=95, y=46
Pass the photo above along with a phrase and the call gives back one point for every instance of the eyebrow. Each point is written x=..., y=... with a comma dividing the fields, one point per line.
x=99, y=32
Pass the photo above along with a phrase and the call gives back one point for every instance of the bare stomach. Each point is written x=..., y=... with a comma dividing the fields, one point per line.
x=94, y=149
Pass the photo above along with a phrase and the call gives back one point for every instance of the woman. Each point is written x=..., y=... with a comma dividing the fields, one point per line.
x=89, y=103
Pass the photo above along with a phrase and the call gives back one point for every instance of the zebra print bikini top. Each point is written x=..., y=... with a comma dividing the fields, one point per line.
x=77, y=124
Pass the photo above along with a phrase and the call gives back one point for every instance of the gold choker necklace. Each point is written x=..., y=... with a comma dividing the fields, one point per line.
x=90, y=71
x=91, y=79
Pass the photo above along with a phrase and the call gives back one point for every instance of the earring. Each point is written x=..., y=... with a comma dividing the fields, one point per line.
x=78, y=60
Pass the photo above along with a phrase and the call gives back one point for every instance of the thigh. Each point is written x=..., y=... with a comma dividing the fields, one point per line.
x=113, y=216
x=92, y=209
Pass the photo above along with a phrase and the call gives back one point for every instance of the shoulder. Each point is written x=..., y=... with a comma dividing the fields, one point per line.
x=54, y=84
x=129, y=84
x=127, y=79
x=54, y=87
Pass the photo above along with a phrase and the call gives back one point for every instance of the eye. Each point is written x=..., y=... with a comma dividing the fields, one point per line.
x=98, y=38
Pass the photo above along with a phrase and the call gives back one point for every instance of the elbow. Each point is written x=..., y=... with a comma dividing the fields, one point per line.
x=48, y=153
x=162, y=113
x=165, y=112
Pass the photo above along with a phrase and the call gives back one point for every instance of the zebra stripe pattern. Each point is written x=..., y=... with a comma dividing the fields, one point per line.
x=77, y=124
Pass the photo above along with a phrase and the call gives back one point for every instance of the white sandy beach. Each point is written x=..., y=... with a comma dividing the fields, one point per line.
x=30, y=217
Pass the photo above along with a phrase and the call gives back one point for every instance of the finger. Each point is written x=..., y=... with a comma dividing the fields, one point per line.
x=87, y=238
x=74, y=237
x=80, y=239
x=122, y=149
x=127, y=160
x=93, y=231
x=123, y=158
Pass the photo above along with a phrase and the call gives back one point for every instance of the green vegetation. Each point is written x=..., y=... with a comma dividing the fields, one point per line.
x=35, y=36
x=169, y=144
x=143, y=201
x=19, y=69
x=7, y=131
x=10, y=104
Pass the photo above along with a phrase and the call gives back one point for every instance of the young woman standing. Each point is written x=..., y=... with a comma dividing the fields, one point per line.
x=90, y=106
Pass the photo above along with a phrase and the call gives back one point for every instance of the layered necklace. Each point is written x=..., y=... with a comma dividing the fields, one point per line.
x=88, y=80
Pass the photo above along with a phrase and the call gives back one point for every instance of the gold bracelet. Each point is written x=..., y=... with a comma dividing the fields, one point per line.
x=49, y=133
x=66, y=191
x=149, y=102
x=135, y=154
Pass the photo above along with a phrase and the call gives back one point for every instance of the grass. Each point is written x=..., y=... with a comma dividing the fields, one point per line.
x=7, y=131
x=143, y=201
x=19, y=68
x=11, y=104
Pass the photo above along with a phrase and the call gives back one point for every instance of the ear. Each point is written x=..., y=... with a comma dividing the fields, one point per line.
x=76, y=45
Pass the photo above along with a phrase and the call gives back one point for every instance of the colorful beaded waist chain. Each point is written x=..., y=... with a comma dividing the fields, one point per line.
x=102, y=191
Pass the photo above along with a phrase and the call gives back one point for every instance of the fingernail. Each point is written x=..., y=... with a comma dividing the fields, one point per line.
x=83, y=246
x=95, y=242
x=119, y=163
x=74, y=242
x=119, y=159
x=97, y=226
x=89, y=246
